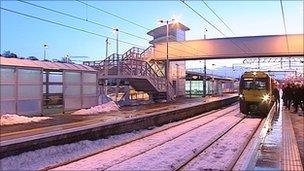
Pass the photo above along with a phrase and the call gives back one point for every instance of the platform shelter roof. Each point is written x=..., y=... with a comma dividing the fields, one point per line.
x=43, y=64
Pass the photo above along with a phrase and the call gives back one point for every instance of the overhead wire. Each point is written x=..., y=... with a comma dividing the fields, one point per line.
x=74, y=28
x=224, y=23
x=104, y=11
x=114, y=15
x=96, y=23
x=79, y=18
x=183, y=1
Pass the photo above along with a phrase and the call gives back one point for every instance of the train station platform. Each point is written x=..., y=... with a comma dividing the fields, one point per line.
x=283, y=146
x=63, y=125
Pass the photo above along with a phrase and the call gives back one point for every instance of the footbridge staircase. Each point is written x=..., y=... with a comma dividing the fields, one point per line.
x=131, y=67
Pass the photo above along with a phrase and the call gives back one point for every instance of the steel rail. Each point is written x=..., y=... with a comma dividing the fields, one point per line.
x=234, y=107
x=198, y=152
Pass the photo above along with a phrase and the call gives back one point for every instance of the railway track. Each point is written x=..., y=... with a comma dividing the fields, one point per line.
x=192, y=122
x=223, y=153
x=198, y=133
x=187, y=154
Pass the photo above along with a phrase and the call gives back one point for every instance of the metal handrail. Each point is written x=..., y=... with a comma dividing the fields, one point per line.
x=132, y=63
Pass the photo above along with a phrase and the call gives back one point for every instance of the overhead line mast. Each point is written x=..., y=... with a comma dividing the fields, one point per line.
x=285, y=29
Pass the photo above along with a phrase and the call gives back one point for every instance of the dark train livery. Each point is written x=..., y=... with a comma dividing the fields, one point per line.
x=256, y=93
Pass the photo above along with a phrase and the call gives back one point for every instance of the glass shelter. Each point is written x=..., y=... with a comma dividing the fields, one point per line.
x=39, y=87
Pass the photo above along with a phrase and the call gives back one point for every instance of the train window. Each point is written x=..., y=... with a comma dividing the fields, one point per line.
x=260, y=84
x=248, y=84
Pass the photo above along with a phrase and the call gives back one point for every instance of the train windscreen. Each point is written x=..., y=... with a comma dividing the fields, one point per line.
x=256, y=84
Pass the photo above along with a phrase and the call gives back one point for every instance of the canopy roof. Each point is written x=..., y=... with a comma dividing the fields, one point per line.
x=231, y=47
x=192, y=75
x=163, y=29
x=43, y=64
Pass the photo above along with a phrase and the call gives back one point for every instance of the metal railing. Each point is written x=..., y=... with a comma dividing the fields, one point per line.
x=132, y=64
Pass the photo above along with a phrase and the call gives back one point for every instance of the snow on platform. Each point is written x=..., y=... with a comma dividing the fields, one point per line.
x=107, y=107
x=12, y=119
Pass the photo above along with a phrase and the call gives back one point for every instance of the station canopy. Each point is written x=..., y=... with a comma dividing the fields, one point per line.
x=231, y=47
x=43, y=64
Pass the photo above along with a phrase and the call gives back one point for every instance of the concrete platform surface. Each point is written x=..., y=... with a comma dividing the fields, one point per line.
x=282, y=148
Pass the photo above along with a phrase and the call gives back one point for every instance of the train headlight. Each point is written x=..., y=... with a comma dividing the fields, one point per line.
x=266, y=98
x=241, y=96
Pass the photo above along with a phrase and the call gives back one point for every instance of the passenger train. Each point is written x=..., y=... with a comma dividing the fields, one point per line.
x=256, y=93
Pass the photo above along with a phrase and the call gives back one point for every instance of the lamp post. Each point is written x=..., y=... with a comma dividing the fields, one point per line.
x=167, y=54
x=205, y=69
x=213, y=65
x=44, y=51
x=177, y=80
x=205, y=31
x=115, y=31
x=107, y=47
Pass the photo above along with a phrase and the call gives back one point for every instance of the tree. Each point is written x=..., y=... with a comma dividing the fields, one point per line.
x=9, y=54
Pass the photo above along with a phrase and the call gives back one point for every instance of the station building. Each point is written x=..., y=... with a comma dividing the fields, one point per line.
x=177, y=70
x=215, y=85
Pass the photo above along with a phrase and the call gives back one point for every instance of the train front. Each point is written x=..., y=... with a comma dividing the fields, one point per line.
x=255, y=93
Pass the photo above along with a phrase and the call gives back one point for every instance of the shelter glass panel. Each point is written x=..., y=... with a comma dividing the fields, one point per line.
x=29, y=76
x=72, y=103
x=72, y=77
x=7, y=92
x=29, y=106
x=29, y=92
x=8, y=107
x=7, y=75
x=72, y=90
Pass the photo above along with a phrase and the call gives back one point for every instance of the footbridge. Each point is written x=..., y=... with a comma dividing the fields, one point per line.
x=290, y=45
x=143, y=69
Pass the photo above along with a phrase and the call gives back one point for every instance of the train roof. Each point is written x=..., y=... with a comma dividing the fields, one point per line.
x=258, y=74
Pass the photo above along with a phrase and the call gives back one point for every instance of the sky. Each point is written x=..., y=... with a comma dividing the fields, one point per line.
x=26, y=36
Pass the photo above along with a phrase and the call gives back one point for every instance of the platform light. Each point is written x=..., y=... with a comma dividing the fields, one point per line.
x=167, y=53
x=116, y=31
x=45, y=47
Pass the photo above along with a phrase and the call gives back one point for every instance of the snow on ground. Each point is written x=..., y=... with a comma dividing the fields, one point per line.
x=179, y=150
x=225, y=151
x=109, y=158
x=50, y=156
x=11, y=119
x=39, y=159
x=109, y=106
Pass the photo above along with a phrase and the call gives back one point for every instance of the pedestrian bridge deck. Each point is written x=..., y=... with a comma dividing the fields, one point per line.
x=231, y=47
